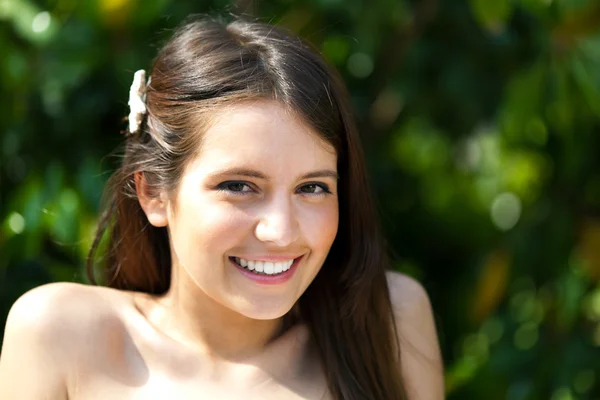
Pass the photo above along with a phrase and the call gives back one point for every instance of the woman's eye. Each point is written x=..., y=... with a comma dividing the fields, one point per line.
x=315, y=188
x=235, y=187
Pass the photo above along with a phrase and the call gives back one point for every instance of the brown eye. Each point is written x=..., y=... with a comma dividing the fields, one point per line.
x=315, y=189
x=234, y=187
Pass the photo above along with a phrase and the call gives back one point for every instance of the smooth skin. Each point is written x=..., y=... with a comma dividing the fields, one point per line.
x=262, y=185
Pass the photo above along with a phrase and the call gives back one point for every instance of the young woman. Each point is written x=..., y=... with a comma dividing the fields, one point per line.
x=243, y=258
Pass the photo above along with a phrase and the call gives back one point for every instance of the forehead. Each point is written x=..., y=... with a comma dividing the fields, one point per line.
x=264, y=133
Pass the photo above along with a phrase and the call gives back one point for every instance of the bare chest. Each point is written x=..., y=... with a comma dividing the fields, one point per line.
x=125, y=358
x=130, y=373
x=157, y=387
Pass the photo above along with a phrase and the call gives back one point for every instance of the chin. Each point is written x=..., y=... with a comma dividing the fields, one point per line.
x=258, y=311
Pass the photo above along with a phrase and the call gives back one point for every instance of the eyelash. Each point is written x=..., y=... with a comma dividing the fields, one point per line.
x=225, y=188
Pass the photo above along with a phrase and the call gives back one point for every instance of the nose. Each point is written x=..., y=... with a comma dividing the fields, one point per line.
x=277, y=223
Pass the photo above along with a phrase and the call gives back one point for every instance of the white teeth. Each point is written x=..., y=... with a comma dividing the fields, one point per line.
x=269, y=268
x=259, y=266
x=278, y=267
x=266, y=267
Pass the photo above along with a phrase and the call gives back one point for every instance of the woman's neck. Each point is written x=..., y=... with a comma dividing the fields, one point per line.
x=186, y=314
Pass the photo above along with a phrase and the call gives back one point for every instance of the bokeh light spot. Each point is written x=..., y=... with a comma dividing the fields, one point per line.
x=69, y=200
x=493, y=329
x=16, y=222
x=584, y=381
x=562, y=393
x=386, y=108
x=360, y=65
x=526, y=336
x=592, y=305
x=41, y=22
x=506, y=211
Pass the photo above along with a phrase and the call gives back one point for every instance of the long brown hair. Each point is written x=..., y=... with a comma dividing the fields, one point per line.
x=208, y=63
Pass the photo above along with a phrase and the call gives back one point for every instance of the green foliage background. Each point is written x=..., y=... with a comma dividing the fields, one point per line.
x=481, y=122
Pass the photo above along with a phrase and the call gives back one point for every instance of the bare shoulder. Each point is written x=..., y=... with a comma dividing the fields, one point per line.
x=46, y=330
x=413, y=314
x=62, y=307
x=420, y=350
x=406, y=292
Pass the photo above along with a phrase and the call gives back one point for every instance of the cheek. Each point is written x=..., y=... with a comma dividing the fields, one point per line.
x=320, y=226
x=203, y=227
x=221, y=227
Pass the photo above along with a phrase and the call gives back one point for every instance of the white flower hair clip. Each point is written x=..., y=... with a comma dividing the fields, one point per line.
x=137, y=101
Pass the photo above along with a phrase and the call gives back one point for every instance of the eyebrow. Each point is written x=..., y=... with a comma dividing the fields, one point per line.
x=323, y=173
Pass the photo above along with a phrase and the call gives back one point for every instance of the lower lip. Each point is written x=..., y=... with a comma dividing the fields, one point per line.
x=268, y=279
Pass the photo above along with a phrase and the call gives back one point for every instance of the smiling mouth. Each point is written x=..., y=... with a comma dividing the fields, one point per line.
x=265, y=268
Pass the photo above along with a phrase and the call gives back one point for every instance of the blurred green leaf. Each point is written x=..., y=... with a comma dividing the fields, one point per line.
x=492, y=15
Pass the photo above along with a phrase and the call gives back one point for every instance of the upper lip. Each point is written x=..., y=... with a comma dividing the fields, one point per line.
x=270, y=257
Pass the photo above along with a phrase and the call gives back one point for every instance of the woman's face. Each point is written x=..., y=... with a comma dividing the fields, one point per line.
x=261, y=194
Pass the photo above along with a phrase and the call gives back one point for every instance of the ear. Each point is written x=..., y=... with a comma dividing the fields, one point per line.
x=153, y=204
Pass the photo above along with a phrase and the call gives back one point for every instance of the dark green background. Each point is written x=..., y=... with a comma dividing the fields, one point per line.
x=481, y=122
